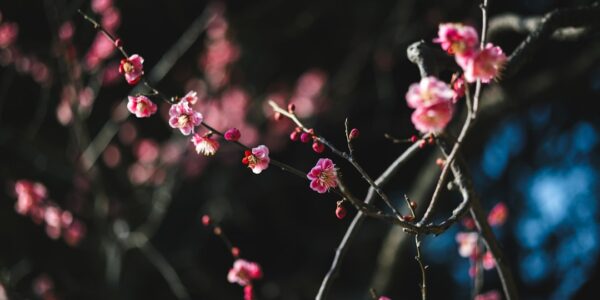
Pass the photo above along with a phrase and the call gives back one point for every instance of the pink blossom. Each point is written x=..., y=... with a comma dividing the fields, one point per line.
x=492, y=295
x=133, y=68
x=323, y=176
x=488, y=261
x=99, y=6
x=233, y=135
x=243, y=272
x=248, y=292
x=433, y=118
x=146, y=150
x=8, y=34
x=384, y=298
x=428, y=92
x=485, y=64
x=74, y=233
x=457, y=39
x=467, y=243
x=257, y=159
x=182, y=116
x=205, y=145
x=65, y=31
x=29, y=195
x=498, y=214
x=111, y=19
x=191, y=97
x=141, y=106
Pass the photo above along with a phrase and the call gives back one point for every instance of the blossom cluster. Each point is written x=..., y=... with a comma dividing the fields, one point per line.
x=462, y=42
x=469, y=244
x=432, y=99
x=10, y=53
x=32, y=201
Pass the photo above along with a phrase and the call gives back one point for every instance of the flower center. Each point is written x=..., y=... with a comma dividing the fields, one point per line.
x=128, y=67
x=182, y=120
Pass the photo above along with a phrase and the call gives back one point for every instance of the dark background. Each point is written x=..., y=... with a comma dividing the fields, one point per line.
x=535, y=147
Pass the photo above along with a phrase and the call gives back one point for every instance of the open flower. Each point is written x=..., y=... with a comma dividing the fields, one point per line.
x=257, y=159
x=243, y=272
x=191, y=97
x=141, y=106
x=182, y=116
x=323, y=176
x=457, y=39
x=467, y=243
x=485, y=64
x=205, y=145
x=132, y=68
x=29, y=196
x=432, y=118
x=429, y=91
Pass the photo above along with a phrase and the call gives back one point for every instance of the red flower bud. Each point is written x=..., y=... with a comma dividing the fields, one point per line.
x=340, y=212
x=235, y=251
x=232, y=135
x=206, y=220
x=305, y=137
x=294, y=136
x=354, y=133
x=318, y=147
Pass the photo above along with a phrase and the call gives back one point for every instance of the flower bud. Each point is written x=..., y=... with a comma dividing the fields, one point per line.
x=340, y=212
x=305, y=137
x=232, y=135
x=294, y=136
x=206, y=220
x=318, y=147
x=354, y=133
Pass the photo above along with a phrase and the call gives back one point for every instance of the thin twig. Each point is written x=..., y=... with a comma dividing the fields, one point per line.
x=292, y=116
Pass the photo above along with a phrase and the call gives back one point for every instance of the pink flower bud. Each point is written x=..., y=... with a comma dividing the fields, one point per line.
x=232, y=135
x=291, y=107
x=354, y=133
x=235, y=251
x=294, y=136
x=305, y=137
x=340, y=212
x=318, y=147
x=206, y=220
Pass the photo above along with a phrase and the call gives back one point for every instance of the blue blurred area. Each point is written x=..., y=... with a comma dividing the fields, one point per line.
x=546, y=170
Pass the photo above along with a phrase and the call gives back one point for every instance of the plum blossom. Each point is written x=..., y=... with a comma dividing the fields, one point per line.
x=8, y=34
x=323, y=176
x=132, y=68
x=498, y=214
x=456, y=38
x=485, y=64
x=243, y=272
x=467, y=243
x=433, y=118
x=428, y=92
x=492, y=295
x=191, y=97
x=141, y=106
x=182, y=116
x=29, y=195
x=205, y=145
x=257, y=159
x=488, y=261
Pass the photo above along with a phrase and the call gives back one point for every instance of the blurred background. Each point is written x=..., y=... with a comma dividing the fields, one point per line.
x=135, y=190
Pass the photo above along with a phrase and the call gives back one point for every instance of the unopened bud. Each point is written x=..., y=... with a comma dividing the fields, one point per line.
x=413, y=204
x=235, y=251
x=340, y=212
x=291, y=107
x=294, y=136
x=277, y=116
x=206, y=220
x=305, y=137
x=318, y=147
x=354, y=133
x=118, y=43
x=413, y=138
